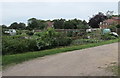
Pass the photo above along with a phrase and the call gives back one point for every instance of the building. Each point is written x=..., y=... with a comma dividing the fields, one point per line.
x=50, y=24
x=11, y=32
x=109, y=22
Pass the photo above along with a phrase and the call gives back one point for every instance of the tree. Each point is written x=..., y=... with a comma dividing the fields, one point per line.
x=21, y=26
x=82, y=26
x=71, y=24
x=41, y=24
x=59, y=23
x=109, y=13
x=14, y=25
x=34, y=23
x=95, y=20
x=4, y=26
x=68, y=25
x=84, y=22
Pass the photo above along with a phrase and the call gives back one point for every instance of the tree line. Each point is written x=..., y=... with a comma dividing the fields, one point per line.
x=34, y=23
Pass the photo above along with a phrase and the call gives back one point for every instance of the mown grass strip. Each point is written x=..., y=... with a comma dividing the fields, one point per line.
x=18, y=58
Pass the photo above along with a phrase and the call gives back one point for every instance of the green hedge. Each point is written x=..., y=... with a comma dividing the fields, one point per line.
x=24, y=43
x=17, y=58
x=12, y=45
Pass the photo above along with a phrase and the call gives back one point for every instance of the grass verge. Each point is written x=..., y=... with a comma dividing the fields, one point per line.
x=18, y=58
x=115, y=69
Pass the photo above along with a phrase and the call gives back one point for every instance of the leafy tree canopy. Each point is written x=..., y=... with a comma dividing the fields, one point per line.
x=16, y=25
x=34, y=23
x=96, y=19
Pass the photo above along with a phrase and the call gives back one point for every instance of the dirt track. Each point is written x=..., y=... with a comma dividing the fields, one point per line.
x=87, y=62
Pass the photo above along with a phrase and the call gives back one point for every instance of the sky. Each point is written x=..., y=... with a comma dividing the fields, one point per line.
x=22, y=11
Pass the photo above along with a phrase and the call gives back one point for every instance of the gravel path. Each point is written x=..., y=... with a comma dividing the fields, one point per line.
x=86, y=62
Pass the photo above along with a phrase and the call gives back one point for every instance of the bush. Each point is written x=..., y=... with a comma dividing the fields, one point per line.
x=30, y=33
x=11, y=45
x=44, y=40
x=118, y=26
x=70, y=33
x=84, y=41
x=38, y=34
x=19, y=32
x=108, y=37
x=50, y=39
x=113, y=28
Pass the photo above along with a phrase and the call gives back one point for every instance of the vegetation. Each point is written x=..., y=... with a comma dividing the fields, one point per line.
x=38, y=24
x=118, y=25
x=108, y=37
x=96, y=19
x=15, y=25
x=59, y=23
x=52, y=39
x=115, y=69
x=17, y=58
x=17, y=44
x=34, y=23
x=85, y=41
x=113, y=28
x=24, y=43
x=28, y=43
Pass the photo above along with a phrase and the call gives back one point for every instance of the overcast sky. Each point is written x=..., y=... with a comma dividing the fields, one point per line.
x=22, y=11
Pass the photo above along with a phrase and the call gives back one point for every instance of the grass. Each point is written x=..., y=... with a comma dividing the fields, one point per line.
x=18, y=58
x=115, y=69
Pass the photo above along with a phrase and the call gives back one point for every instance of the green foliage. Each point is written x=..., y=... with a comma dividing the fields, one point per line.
x=82, y=26
x=38, y=34
x=16, y=25
x=84, y=41
x=19, y=32
x=70, y=24
x=70, y=33
x=18, y=58
x=108, y=37
x=118, y=25
x=59, y=23
x=34, y=23
x=13, y=45
x=41, y=40
x=113, y=28
x=30, y=33
x=51, y=39
x=4, y=26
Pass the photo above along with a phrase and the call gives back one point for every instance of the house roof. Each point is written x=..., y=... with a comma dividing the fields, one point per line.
x=116, y=18
x=50, y=23
x=112, y=20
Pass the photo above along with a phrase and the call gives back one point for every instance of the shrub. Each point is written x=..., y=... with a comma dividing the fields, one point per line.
x=38, y=34
x=50, y=39
x=113, y=28
x=108, y=37
x=30, y=33
x=12, y=45
x=19, y=32
x=44, y=40
x=118, y=26
x=70, y=33
x=84, y=41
